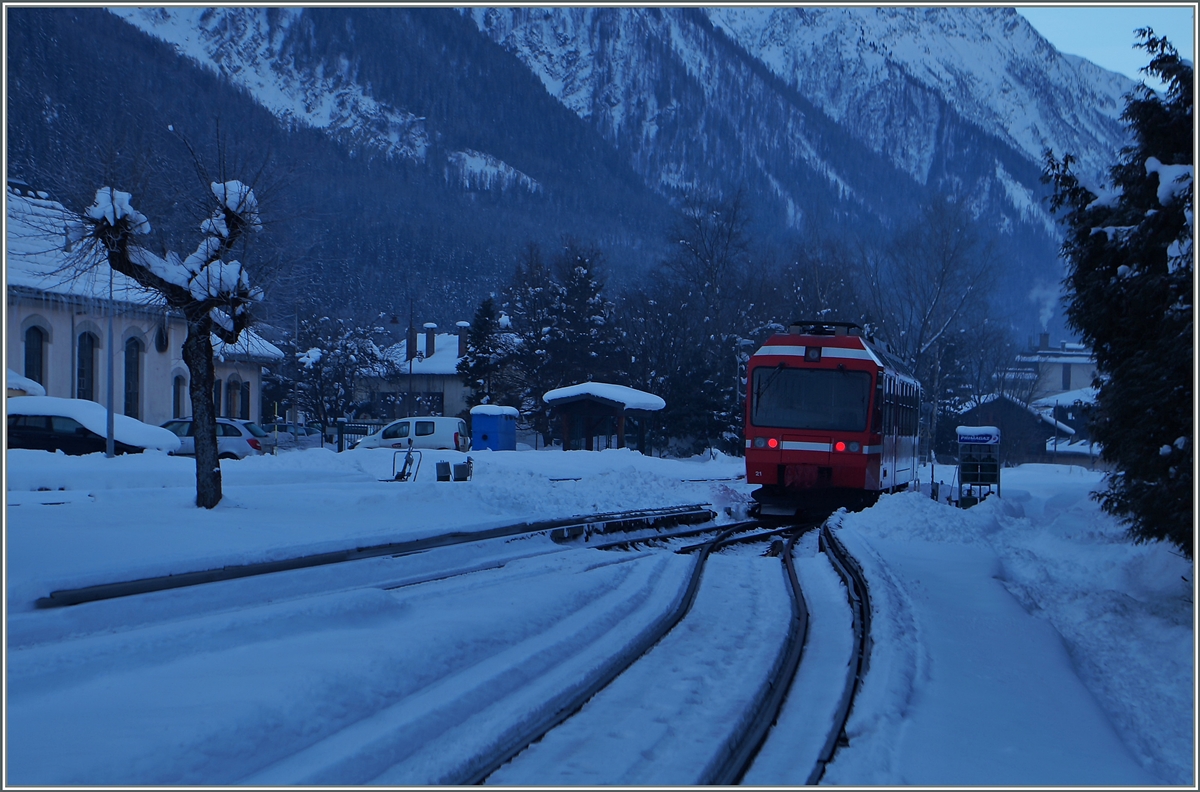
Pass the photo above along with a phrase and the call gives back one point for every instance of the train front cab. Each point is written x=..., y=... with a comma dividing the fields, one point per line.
x=827, y=424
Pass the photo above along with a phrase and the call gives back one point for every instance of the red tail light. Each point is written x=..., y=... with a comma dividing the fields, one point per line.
x=456, y=441
x=772, y=443
x=839, y=446
x=254, y=444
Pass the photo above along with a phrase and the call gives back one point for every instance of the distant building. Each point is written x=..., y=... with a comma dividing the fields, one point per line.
x=1067, y=367
x=428, y=384
x=56, y=328
x=1025, y=430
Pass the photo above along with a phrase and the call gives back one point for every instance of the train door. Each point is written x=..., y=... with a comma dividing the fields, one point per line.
x=905, y=470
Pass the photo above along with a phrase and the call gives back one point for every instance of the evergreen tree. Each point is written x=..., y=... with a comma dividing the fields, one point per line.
x=582, y=343
x=1129, y=294
x=485, y=368
x=531, y=302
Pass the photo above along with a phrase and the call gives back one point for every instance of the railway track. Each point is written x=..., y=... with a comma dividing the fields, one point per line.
x=469, y=553
x=860, y=607
x=736, y=754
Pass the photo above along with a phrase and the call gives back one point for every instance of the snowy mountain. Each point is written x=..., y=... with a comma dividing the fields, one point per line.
x=904, y=82
x=837, y=121
x=989, y=66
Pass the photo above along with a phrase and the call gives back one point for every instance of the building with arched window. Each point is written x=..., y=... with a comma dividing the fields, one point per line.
x=57, y=329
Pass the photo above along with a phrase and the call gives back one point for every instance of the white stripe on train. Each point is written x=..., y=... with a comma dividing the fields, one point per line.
x=826, y=352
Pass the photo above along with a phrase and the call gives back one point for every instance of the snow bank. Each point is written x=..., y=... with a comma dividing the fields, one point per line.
x=16, y=382
x=95, y=417
x=1113, y=616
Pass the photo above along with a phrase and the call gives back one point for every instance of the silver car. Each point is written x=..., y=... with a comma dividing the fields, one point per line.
x=290, y=436
x=236, y=439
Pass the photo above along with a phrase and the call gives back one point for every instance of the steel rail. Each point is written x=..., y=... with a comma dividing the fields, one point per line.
x=860, y=607
x=484, y=766
x=740, y=752
x=600, y=523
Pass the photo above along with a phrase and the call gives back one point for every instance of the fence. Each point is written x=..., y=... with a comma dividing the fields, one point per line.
x=348, y=433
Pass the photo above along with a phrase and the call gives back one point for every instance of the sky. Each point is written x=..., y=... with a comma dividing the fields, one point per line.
x=1104, y=35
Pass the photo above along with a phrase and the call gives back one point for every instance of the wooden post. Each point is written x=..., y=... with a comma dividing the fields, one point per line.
x=621, y=430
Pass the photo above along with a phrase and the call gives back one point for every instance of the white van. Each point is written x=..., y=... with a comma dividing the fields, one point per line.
x=425, y=432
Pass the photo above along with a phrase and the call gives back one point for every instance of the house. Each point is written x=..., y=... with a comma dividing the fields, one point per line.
x=1067, y=367
x=1025, y=431
x=57, y=328
x=426, y=384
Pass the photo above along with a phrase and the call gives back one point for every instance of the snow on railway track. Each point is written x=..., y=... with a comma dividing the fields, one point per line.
x=413, y=669
x=697, y=708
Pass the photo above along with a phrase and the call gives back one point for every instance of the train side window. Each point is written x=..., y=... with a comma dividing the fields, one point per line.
x=877, y=415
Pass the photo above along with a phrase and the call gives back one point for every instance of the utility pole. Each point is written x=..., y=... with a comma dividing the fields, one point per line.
x=109, y=441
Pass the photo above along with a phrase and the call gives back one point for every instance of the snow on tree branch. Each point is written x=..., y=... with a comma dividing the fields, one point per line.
x=113, y=205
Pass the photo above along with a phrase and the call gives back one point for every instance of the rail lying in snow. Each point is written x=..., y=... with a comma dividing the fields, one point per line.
x=560, y=529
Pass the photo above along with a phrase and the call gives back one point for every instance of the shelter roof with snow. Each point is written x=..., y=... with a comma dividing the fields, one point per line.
x=621, y=396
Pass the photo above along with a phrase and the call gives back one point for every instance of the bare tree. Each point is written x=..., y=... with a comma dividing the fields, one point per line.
x=924, y=287
x=208, y=287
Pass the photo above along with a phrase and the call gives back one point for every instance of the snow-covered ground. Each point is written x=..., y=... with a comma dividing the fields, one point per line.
x=1023, y=641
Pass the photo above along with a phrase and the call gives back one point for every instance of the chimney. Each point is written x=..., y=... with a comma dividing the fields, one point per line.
x=463, y=327
x=1044, y=341
x=430, y=335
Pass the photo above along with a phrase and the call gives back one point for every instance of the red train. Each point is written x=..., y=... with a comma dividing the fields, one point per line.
x=831, y=420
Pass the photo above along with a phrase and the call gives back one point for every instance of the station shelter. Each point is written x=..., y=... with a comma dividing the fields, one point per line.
x=594, y=413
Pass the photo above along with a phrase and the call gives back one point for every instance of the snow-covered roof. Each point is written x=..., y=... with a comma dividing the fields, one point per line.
x=1045, y=414
x=38, y=258
x=95, y=417
x=631, y=398
x=1070, y=353
x=17, y=382
x=1066, y=398
x=494, y=409
x=444, y=360
x=249, y=346
x=1073, y=447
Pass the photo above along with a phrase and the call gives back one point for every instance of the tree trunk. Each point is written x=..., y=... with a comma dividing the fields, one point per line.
x=198, y=355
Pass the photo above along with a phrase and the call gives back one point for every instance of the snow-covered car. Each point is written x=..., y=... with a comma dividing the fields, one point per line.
x=289, y=436
x=428, y=432
x=236, y=439
x=79, y=426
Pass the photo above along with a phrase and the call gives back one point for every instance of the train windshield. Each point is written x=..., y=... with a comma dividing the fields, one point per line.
x=824, y=399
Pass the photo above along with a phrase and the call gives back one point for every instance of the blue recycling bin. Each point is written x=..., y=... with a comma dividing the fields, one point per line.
x=494, y=427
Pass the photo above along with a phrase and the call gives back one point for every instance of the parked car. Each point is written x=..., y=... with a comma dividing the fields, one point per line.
x=294, y=436
x=428, y=432
x=78, y=426
x=236, y=439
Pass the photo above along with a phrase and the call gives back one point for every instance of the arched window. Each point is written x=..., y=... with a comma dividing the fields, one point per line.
x=178, y=389
x=35, y=351
x=244, y=411
x=233, y=390
x=85, y=379
x=133, y=377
